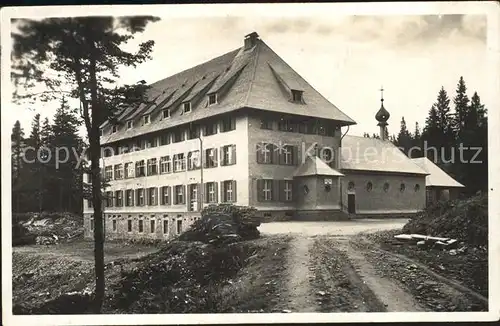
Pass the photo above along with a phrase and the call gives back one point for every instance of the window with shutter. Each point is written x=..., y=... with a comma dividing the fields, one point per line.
x=228, y=124
x=179, y=194
x=152, y=167
x=264, y=153
x=228, y=191
x=165, y=164
x=140, y=169
x=268, y=190
x=211, y=194
x=193, y=160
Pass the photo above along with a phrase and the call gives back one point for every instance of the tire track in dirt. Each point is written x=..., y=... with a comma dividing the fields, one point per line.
x=346, y=291
x=390, y=293
x=431, y=290
x=298, y=289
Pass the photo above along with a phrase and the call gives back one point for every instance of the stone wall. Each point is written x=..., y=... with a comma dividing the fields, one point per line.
x=174, y=219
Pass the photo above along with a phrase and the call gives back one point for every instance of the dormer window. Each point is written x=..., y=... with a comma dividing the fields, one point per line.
x=114, y=129
x=100, y=132
x=187, y=107
x=129, y=124
x=146, y=119
x=297, y=96
x=166, y=113
x=212, y=99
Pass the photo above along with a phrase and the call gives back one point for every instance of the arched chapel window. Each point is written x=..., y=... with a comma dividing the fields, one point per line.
x=402, y=187
x=369, y=186
x=386, y=187
x=417, y=187
x=350, y=185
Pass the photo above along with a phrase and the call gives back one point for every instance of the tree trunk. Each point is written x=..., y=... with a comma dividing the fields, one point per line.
x=61, y=208
x=95, y=153
x=40, y=190
x=98, y=225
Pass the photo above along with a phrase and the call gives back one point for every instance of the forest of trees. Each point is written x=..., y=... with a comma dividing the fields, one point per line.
x=447, y=128
x=41, y=186
x=39, y=183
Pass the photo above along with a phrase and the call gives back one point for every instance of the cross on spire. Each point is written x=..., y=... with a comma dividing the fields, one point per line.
x=381, y=93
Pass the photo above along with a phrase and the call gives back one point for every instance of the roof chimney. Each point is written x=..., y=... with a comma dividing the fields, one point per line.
x=251, y=40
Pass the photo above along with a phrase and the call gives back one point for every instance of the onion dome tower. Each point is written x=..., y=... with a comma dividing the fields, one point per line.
x=382, y=116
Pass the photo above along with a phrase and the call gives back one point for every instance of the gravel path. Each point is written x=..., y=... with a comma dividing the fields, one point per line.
x=298, y=289
x=329, y=269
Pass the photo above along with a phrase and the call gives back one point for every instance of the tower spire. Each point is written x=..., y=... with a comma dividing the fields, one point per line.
x=382, y=116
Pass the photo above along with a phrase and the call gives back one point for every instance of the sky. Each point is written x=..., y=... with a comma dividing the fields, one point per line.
x=347, y=58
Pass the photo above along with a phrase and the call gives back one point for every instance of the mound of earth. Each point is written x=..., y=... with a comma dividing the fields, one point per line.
x=224, y=223
x=46, y=228
x=464, y=220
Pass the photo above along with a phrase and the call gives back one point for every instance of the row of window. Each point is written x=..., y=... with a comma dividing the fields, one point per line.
x=166, y=113
x=171, y=195
x=386, y=187
x=274, y=190
x=268, y=153
x=267, y=190
x=140, y=224
x=176, y=163
x=310, y=126
x=175, y=136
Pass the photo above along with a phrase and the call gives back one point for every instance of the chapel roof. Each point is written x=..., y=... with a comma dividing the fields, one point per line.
x=372, y=154
x=248, y=77
x=437, y=177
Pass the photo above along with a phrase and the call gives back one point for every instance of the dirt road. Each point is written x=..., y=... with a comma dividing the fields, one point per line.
x=330, y=267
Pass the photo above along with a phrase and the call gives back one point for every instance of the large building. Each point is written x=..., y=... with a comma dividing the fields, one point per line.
x=245, y=128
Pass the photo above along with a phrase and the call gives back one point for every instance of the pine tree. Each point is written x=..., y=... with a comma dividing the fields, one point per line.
x=474, y=169
x=36, y=173
x=65, y=137
x=416, y=142
x=17, y=144
x=84, y=54
x=444, y=118
x=404, y=138
x=461, y=107
x=438, y=130
x=417, y=134
x=432, y=134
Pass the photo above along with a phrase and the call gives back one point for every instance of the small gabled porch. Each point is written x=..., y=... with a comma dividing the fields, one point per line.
x=317, y=191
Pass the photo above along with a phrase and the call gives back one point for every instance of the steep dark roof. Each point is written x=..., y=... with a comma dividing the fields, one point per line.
x=245, y=78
